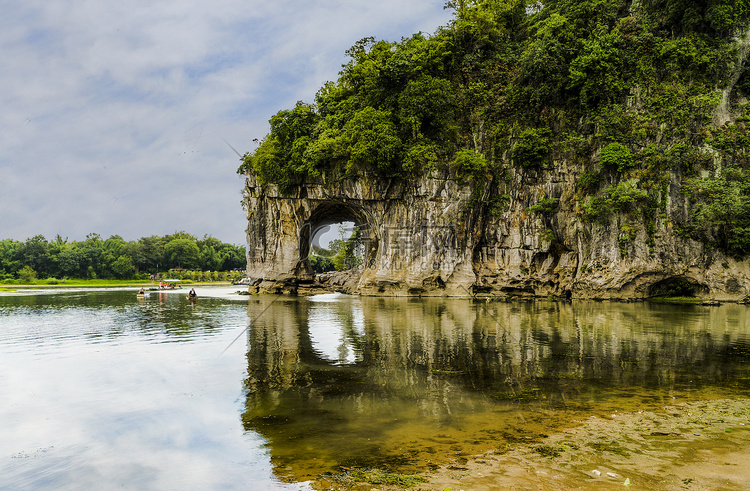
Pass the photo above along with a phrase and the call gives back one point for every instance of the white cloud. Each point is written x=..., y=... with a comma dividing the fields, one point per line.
x=115, y=113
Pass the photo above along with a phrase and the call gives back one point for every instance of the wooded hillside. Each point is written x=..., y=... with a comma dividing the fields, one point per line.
x=630, y=90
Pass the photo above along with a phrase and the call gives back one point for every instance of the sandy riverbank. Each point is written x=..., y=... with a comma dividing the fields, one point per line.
x=694, y=446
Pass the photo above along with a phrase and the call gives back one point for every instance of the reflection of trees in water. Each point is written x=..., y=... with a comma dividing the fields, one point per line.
x=108, y=314
x=442, y=360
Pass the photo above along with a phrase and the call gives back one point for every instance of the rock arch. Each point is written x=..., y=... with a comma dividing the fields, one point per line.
x=440, y=236
x=418, y=239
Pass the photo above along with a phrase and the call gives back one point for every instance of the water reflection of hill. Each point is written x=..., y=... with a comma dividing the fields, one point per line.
x=403, y=383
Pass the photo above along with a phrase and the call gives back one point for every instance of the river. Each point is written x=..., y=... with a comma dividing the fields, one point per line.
x=103, y=390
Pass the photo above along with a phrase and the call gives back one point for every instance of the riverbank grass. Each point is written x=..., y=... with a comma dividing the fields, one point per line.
x=98, y=283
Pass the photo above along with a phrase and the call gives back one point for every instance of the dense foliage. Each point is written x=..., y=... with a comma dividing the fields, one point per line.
x=342, y=254
x=114, y=258
x=630, y=90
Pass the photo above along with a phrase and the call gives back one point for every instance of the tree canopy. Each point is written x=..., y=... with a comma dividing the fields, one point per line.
x=114, y=258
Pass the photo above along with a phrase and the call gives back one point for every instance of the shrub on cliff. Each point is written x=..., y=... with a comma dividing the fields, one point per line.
x=595, y=208
x=532, y=150
x=469, y=163
x=721, y=210
x=624, y=195
x=545, y=206
x=616, y=156
x=372, y=142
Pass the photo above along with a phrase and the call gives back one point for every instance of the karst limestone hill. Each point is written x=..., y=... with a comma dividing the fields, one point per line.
x=575, y=149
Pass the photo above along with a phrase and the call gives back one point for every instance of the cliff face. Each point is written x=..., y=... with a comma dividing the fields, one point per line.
x=417, y=235
x=432, y=236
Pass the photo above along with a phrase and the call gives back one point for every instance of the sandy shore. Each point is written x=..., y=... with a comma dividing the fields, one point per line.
x=694, y=446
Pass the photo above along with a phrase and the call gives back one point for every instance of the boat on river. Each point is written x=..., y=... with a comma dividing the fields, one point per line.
x=169, y=285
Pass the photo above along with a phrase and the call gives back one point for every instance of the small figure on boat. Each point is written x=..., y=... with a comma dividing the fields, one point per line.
x=142, y=291
x=192, y=295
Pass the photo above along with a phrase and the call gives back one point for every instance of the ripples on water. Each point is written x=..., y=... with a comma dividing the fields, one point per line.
x=101, y=317
x=104, y=390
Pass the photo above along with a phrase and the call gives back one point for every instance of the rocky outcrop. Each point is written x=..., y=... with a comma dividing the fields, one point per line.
x=438, y=236
x=419, y=236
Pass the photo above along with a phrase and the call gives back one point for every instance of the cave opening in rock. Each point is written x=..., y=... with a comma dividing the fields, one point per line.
x=676, y=286
x=337, y=237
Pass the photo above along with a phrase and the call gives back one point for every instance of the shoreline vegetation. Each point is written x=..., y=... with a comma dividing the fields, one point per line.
x=79, y=283
x=180, y=256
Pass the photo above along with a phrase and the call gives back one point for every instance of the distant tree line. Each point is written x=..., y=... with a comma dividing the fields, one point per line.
x=114, y=258
x=342, y=253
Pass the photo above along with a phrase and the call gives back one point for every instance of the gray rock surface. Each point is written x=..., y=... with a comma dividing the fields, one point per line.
x=439, y=236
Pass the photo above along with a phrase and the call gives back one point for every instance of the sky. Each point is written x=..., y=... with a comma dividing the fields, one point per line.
x=124, y=117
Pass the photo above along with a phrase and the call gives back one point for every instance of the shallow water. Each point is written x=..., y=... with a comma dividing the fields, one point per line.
x=409, y=384
x=266, y=392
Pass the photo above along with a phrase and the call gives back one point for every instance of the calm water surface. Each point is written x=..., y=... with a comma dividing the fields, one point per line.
x=100, y=389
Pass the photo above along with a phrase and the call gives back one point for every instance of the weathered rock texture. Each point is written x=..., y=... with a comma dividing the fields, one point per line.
x=437, y=236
